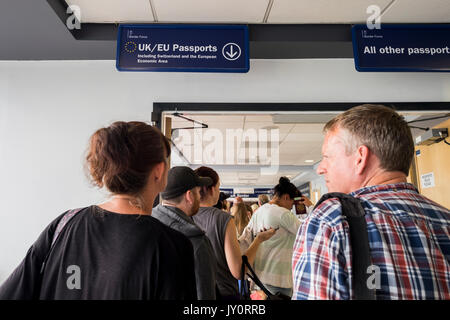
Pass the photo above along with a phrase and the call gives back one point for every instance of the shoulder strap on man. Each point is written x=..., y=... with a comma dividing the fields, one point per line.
x=359, y=241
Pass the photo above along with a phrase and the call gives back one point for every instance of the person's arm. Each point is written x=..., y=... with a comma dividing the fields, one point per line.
x=176, y=278
x=307, y=202
x=309, y=206
x=233, y=251
x=205, y=273
x=260, y=237
x=319, y=266
x=24, y=282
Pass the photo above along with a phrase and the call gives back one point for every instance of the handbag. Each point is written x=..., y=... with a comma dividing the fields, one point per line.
x=244, y=290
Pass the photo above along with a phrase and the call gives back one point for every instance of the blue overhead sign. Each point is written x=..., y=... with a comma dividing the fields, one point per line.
x=182, y=48
x=252, y=192
x=399, y=48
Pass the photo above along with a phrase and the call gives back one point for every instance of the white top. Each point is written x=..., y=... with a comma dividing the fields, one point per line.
x=274, y=256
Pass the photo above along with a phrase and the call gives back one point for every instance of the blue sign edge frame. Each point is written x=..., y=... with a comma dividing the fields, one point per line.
x=358, y=27
x=169, y=26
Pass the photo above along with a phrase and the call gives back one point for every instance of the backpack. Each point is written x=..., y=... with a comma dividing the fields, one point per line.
x=359, y=242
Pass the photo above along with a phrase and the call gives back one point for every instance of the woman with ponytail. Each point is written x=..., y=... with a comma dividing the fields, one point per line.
x=221, y=231
x=114, y=250
x=273, y=258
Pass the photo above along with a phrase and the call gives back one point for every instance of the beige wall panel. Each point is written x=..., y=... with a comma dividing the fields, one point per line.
x=436, y=158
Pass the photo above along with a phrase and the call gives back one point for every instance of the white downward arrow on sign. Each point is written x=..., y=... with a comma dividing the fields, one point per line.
x=231, y=54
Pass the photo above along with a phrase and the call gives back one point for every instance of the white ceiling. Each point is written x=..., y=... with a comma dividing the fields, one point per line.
x=322, y=11
x=260, y=11
x=106, y=11
x=290, y=136
x=300, y=138
x=241, y=166
x=418, y=11
x=233, y=11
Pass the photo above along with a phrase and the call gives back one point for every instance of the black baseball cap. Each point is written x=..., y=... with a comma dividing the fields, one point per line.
x=181, y=179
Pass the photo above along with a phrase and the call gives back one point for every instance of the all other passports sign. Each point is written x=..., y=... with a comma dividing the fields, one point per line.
x=182, y=48
x=399, y=48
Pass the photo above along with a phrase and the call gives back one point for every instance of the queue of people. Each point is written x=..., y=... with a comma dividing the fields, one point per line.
x=191, y=245
x=221, y=230
x=273, y=260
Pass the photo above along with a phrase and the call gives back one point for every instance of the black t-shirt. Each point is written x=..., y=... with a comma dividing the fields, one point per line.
x=105, y=255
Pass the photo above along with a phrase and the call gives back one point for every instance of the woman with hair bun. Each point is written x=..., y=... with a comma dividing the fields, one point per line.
x=114, y=250
x=273, y=258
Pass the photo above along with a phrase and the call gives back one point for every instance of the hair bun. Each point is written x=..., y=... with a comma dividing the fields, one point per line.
x=119, y=130
x=284, y=180
x=122, y=155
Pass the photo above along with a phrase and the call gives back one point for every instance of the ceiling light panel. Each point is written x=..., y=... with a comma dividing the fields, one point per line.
x=233, y=11
x=323, y=11
x=418, y=11
x=112, y=11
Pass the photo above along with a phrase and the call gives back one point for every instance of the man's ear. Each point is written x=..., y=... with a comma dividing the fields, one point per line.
x=189, y=196
x=362, y=158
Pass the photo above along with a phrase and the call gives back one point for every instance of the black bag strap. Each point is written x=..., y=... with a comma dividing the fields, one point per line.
x=61, y=224
x=243, y=290
x=254, y=277
x=359, y=241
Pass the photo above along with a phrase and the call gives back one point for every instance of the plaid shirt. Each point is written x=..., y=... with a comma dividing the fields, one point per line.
x=409, y=238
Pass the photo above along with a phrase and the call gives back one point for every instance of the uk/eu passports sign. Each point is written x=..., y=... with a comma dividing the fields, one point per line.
x=182, y=48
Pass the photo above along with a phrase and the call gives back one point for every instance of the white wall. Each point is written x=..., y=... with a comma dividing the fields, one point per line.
x=49, y=109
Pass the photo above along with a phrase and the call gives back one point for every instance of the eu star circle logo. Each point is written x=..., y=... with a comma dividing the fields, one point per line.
x=130, y=46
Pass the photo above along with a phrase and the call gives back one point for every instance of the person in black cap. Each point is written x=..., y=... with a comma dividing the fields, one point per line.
x=181, y=200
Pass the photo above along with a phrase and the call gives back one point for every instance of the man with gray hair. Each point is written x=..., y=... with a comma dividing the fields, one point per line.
x=367, y=153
